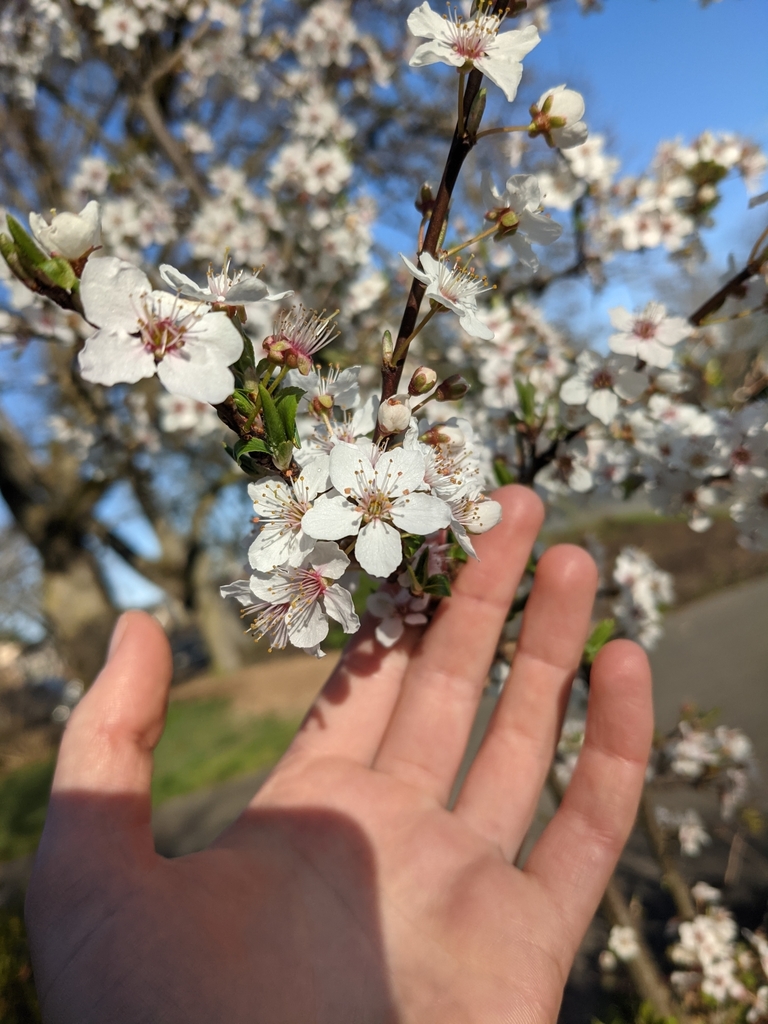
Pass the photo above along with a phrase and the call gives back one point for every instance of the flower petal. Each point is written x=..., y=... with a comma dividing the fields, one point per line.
x=111, y=292
x=340, y=606
x=379, y=548
x=114, y=357
x=331, y=518
x=421, y=513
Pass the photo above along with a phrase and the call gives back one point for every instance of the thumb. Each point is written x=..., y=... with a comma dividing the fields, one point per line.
x=107, y=746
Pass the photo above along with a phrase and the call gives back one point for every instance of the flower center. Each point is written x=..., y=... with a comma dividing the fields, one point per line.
x=741, y=456
x=602, y=379
x=470, y=39
x=162, y=335
x=458, y=283
x=375, y=506
x=645, y=329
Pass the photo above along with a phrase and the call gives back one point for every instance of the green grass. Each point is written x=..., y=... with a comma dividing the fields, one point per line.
x=23, y=801
x=203, y=744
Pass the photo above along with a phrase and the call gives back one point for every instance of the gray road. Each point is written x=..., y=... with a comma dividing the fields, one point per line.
x=714, y=652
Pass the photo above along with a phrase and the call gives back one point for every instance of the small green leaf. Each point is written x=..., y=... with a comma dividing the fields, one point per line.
x=502, y=472
x=599, y=637
x=244, y=366
x=526, y=392
x=242, y=448
x=411, y=544
x=282, y=455
x=272, y=420
x=422, y=567
x=287, y=406
x=60, y=272
x=438, y=585
x=26, y=247
x=288, y=392
x=242, y=402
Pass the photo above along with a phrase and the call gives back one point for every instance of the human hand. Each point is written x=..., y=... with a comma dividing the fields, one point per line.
x=347, y=892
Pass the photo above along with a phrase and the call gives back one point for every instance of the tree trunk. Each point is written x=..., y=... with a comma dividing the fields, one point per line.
x=80, y=614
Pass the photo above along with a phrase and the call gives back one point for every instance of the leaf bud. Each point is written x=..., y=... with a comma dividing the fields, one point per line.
x=395, y=414
x=425, y=201
x=476, y=112
x=422, y=381
x=387, y=348
x=452, y=389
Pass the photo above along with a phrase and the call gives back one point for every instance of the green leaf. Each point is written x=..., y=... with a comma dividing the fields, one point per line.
x=422, y=567
x=273, y=422
x=289, y=392
x=411, y=544
x=282, y=455
x=599, y=637
x=502, y=472
x=242, y=402
x=526, y=392
x=244, y=366
x=287, y=406
x=26, y=247
x=242, y=448
x=438, y=585
x=60, y=272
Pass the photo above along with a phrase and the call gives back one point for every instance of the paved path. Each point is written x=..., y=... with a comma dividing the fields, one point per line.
x=714, y=652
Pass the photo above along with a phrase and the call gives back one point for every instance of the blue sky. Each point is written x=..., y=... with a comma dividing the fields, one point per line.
x=659, y=69
x=649, y=70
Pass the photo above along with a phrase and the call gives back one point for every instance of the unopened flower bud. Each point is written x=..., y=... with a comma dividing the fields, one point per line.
x=70, y=235
x=452, y=389
x=275, y=349
x=443, y=434
x=425, y=201
x=422, y=381
x=395, y=414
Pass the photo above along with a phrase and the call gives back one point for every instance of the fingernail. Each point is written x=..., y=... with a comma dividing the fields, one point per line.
x=117, y=635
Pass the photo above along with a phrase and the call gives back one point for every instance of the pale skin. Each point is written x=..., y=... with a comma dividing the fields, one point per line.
x=348, y=892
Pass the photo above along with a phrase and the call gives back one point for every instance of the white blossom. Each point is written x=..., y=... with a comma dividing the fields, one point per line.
x=377, y=496
x=280, y=508
x=143, y=332
x=456, y=288
x=650, y=335
x=558, y=116
x=472, y=42
x=293, y=604
x=223, y=289
x=396, y=611
x=70, y=235
x=517, y=213
x=600, y=383
x=623, y=943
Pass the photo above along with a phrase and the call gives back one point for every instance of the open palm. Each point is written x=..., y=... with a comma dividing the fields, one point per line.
x=348, y=892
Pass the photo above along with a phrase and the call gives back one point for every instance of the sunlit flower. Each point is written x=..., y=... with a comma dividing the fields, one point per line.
x=650, y=335
x=472, y=42
x=223, y=289
x=143, y=332
x=378, y=495
x=70, y=235
x=456, y=288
